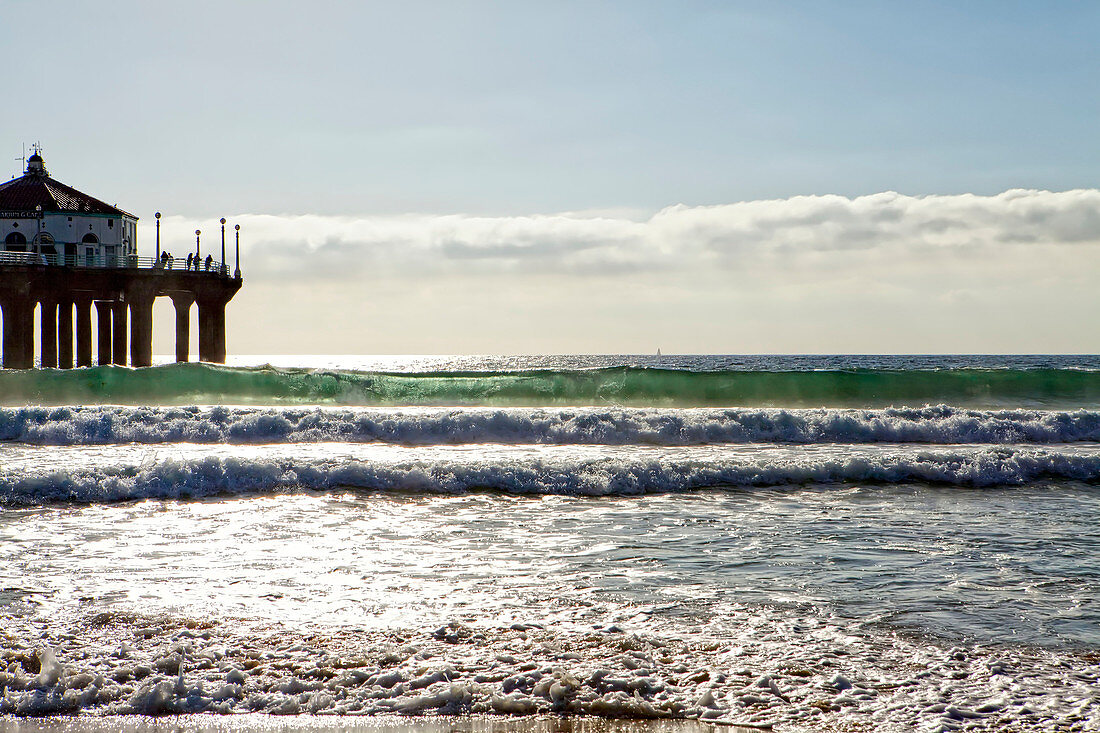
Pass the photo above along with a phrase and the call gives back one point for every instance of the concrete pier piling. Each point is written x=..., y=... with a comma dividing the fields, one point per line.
x=103, y=328
x=12, y=339
x=84, y=332
x=183, y=303
x=48, y=334
x=141, y=331
x=18, y=335
x=65, y=334
x=118, y=332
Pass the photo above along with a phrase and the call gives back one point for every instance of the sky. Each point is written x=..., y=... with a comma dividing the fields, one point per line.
x=593, y=177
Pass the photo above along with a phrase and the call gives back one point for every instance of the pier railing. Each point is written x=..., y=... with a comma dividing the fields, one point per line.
x=174, y=264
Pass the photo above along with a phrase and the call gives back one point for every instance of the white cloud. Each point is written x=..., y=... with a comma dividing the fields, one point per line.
x=678, y=237
x=886, y=272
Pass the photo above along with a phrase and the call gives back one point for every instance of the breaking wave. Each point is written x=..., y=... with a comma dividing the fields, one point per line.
x=611, y=476
x=425, y=426
x=177, y=384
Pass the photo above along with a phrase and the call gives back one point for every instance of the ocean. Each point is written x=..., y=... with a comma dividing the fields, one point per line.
x=803, y=542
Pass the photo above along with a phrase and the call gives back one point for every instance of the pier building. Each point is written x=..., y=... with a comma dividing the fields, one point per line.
x=65, y=253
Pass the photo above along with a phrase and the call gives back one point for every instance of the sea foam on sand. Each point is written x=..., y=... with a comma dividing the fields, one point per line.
x=261, y=723
x=768, y=668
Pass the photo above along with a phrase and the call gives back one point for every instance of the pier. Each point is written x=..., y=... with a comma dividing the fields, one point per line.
x=65, y=252
x=122, y=295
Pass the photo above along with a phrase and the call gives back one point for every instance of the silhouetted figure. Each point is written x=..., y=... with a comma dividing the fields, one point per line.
x=208, y=261
x=189, y=258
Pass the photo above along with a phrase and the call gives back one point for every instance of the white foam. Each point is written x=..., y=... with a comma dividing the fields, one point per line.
x=604, y=475
x=761, y=666
x=426, y=426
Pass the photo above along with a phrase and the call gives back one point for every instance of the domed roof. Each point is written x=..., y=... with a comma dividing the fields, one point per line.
x=36, y=166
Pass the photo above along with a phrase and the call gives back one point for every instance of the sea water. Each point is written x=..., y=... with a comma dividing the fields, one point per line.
x=813, y=543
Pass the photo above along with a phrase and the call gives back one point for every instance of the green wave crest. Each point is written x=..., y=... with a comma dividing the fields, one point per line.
x=193, y=383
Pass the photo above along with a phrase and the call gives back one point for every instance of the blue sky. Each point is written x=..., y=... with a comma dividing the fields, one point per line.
x=514, y=107
x=356, y=111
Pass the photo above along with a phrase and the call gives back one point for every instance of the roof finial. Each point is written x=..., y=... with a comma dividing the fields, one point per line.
x=35, y=165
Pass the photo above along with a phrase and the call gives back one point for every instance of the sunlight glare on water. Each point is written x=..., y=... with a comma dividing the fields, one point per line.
x=379, y=561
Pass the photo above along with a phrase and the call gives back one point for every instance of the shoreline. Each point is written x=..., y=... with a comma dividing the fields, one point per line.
x=258, y=722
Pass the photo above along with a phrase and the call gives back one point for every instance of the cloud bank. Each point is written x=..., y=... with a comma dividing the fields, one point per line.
x=882, y=273
x=680, y=238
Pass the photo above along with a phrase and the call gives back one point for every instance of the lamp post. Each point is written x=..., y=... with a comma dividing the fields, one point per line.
x=237, y=273
x=221, y=267
x=158, y=236
x=38, y=237
x=197, y=233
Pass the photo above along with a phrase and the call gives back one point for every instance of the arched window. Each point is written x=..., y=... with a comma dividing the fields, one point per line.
x=15, y=238
x=90, y=239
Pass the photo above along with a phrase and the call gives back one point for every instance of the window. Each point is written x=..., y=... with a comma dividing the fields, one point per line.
x=90, y=239
x=110, y=223
x=15, y=242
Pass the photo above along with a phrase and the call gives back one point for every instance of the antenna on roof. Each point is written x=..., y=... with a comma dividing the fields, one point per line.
x=23, y=158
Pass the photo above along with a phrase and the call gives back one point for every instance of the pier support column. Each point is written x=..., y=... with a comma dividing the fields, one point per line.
x=103, y=313
x=183, y=325
x=204, y=333
x=217, y=346
x=118, y=334
x=10, y=347
x=65, y=334
x=48, y=337
x=6, y=309
x=83, y=332
x=12, y=344
x=18, y=329
x=141, y=332
x=27, y=323
x=212, y=331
